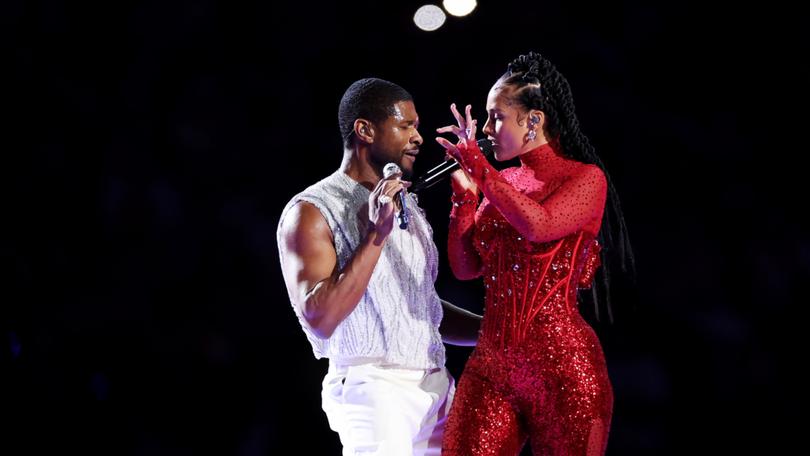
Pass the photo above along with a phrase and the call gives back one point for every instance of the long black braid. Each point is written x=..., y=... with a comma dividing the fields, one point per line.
x=537, y=84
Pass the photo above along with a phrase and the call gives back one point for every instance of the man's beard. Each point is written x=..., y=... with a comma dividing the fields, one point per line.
x=407, y=174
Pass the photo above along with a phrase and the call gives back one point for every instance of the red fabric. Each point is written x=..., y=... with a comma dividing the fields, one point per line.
x=538, y=370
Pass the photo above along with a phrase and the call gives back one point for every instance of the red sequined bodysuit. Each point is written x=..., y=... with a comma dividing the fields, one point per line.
x=538, y=370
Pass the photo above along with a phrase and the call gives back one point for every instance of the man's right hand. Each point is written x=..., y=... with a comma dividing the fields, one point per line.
x=381, y=213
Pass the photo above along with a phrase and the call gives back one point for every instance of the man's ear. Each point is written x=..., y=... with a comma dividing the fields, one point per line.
x=364, y=130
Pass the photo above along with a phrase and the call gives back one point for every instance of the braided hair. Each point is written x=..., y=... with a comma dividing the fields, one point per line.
x=537, y=84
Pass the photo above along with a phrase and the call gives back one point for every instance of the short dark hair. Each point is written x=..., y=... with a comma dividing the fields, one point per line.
x=369, y=98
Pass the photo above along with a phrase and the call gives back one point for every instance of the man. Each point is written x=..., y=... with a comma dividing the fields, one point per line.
x=363, y=289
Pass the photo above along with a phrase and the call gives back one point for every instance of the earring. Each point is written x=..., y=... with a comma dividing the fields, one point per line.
x=533, y=121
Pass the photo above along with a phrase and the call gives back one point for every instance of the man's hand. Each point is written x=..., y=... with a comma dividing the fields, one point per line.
x=381, y=205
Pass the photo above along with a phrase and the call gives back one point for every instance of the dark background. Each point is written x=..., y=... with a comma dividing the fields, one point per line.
x=150, y=146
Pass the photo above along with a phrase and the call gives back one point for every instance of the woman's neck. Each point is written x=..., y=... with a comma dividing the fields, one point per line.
x=547, y=161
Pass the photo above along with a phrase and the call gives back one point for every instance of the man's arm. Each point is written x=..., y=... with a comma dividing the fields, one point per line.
x=459, y=326
x=324, y=294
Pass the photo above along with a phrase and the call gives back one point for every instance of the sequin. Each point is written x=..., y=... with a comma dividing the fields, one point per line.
x=538, y=372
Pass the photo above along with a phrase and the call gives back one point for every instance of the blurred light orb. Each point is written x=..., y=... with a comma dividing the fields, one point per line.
x=429, y=18
x=459, y=7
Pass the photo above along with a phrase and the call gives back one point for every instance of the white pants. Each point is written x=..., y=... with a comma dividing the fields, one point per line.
x=387, y=412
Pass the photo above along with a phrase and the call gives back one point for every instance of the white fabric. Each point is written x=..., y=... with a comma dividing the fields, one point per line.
x=397, y=320
x=388, y=412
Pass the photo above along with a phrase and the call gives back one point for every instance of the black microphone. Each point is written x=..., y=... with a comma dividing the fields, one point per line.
x=389, y=170
x=444, y=169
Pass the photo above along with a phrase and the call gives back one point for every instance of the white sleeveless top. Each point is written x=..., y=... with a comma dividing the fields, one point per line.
x=396, y=322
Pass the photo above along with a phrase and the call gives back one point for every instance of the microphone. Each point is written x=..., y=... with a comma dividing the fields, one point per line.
x=389, y=170
x=444, y=169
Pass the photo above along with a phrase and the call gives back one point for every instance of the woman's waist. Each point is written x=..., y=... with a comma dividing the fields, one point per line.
x=551, y=328
x=530, y=302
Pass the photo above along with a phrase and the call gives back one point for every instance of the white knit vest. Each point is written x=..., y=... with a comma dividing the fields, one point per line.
x=396, y=322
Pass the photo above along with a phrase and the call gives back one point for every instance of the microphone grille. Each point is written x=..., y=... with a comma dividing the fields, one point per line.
x=390, y=169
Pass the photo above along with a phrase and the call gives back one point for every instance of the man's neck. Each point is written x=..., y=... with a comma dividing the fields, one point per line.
x=356, y=165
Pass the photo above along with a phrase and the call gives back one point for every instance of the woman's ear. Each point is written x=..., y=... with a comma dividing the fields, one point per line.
x=537, y=126
x=537, y=118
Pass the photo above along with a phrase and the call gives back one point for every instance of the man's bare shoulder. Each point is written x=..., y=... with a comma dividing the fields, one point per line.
x=303, y=222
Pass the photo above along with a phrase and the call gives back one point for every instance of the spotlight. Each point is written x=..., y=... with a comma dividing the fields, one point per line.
x=429, y=18
x=459, y=7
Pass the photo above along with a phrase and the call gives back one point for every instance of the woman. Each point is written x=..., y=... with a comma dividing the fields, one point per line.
x=538, y=371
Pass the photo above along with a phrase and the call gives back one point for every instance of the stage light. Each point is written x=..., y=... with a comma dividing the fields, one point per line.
x=429, y=18
x=459, y=7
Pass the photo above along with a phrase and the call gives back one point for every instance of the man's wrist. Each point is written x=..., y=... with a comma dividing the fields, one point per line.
x=375, y=234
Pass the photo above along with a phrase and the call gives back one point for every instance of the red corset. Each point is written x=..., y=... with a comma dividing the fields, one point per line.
x=529, y=283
